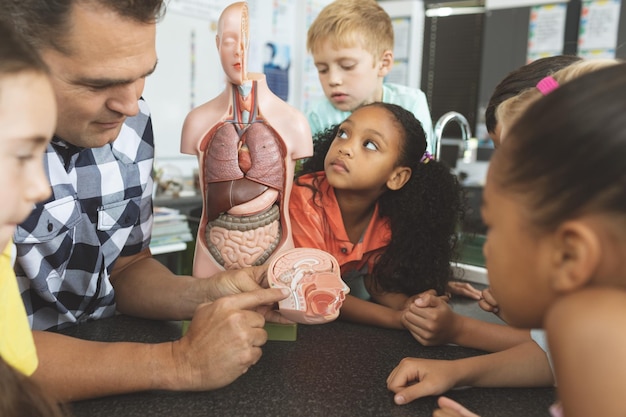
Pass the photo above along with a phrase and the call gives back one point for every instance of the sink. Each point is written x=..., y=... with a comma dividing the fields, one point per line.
x=472, y=273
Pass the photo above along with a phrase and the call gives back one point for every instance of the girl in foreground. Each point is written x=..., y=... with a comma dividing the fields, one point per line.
x=27, y=121
x=555, y=205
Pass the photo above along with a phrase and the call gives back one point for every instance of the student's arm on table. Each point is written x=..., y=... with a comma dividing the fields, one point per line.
x=385, y=309
x=431, y=321
x=222, y=342
x=524, y=365
x=361, y=311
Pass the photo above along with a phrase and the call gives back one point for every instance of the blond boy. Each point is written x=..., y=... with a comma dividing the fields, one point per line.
x=351, y=42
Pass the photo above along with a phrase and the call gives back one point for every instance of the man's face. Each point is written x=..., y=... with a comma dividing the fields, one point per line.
x=98, y=83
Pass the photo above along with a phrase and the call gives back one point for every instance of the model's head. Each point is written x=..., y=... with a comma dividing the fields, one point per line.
x=99, y=54
x=527, y=76
x=232, y=41
x=27, y=120
x=555, y=193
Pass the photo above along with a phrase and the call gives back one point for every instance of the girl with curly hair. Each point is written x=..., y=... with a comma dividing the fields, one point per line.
x=375, y=199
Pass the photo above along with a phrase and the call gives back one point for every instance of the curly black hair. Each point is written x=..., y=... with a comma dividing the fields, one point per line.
x=423, y=214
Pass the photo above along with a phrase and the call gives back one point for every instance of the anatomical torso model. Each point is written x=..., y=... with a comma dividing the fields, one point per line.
x=247, y=141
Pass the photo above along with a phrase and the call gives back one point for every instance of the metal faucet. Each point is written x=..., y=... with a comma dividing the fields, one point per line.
x=451, y=116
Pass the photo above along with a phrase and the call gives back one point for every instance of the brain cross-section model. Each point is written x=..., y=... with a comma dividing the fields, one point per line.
x=313, y=277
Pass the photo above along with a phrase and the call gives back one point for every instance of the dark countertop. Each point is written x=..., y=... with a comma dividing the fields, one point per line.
x=336, y=369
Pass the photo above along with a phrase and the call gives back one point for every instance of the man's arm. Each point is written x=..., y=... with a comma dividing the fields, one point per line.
x=146, y=288
x=222, y=342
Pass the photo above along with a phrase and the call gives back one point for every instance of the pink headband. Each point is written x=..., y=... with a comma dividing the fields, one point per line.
x=547, y=85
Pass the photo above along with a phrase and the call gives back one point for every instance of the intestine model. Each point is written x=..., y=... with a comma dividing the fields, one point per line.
x=247, y=141
x=313, y=277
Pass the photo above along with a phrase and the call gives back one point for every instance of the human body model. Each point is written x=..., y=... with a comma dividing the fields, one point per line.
x=247, y=141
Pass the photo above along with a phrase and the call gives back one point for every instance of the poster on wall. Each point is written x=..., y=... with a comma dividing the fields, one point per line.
x=401, y=48
x=273, y=24
x=599, y=23
x=546, y=31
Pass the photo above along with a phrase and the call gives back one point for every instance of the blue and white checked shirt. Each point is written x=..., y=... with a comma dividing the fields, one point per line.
x=100, y=209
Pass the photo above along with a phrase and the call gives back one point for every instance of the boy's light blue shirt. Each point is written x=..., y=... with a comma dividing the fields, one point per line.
x=321, y=114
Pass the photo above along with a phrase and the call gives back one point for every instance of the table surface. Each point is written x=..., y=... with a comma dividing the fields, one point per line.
x=336, y=369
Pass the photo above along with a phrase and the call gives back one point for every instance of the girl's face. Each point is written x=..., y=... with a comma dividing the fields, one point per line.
x=363, y=155
x=28, y=117
x=517, y=257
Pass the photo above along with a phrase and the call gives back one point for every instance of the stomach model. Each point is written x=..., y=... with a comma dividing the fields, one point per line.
x=313, y=276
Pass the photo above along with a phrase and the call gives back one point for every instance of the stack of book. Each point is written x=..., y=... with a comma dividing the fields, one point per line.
x=170, y=231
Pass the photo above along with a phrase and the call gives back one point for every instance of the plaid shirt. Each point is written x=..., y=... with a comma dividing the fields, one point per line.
x=100, y=209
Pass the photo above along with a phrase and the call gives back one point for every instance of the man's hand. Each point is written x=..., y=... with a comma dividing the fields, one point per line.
x=235, y=281
x=223, y=341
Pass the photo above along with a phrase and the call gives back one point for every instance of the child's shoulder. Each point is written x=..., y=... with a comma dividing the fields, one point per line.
x=400, y=94
x=321, y=114
x=310, y=177
x=580, y=315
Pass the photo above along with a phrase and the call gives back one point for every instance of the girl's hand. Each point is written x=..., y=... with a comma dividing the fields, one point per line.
x=431, y=321
x=450, y=408
x=488, y=302
x=415, y=378
x=464, y=289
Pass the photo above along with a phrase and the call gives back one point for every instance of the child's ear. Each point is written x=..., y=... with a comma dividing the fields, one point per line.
x=385, y=64
x=576, y=255
x=399, y=177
